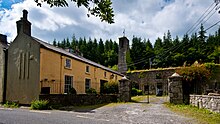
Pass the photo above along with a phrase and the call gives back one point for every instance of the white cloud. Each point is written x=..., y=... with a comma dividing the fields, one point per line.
x=142, y=18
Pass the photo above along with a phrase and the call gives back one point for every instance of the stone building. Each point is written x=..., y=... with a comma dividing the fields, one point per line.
x=3, y=54
x=154, y=79
x=36, y=67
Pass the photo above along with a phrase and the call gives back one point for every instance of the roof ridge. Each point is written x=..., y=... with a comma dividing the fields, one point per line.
x=80, y=58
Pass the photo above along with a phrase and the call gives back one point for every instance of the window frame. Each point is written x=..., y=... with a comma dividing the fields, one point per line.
x=87, y=86
x=68, y=83
x=68, y=65
x=87, y=69
x=105, y=74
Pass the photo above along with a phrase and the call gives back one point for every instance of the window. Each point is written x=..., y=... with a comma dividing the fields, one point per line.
x=68, y=63
x=112, y=76
x=68, y=83
x=45, y=90
x=105, y=74
x=87, y=69
x=87, y=84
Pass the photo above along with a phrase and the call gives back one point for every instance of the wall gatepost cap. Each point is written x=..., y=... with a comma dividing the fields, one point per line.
x=124, y=78
x=175, y=75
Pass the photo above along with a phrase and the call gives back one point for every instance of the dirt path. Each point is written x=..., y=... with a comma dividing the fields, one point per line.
x=139, y=113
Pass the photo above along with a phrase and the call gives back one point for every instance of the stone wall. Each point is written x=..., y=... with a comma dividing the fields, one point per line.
x=124, y=90
x=205, y=101
x=3, y=57
x=175, y=89
x=122, y=51
x=154, y=78
x=79, y=99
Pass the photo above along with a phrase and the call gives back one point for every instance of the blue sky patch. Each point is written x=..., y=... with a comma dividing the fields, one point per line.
x=6, y=4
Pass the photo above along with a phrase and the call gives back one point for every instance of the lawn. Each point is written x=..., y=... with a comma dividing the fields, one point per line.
x=203, y=116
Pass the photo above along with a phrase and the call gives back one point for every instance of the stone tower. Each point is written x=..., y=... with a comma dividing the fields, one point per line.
x=123, y=49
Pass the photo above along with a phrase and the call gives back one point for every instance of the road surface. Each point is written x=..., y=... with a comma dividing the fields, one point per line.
x=128, y=113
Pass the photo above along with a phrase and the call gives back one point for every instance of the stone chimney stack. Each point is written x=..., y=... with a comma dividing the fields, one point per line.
x=123, y=49
x=3, y=39
x=23, y=25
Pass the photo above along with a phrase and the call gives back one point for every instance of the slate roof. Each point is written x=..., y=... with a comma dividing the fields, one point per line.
x=80, y=58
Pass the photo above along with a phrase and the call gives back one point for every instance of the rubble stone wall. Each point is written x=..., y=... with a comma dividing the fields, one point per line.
x=205, y=101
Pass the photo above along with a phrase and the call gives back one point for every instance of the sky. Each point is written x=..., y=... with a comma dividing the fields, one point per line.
x=147, y=19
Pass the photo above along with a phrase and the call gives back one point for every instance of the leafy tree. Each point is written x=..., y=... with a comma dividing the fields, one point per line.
x=129, y=61
x=138, y=50
x=194, y=77
x=167, y=41
x=101, y=52
x=111, y=58
x=67, y=45
x=158, y=50
x=149, y=53
x=99, y=8
x=215, y=56
x=74, y=43
x=54, y=42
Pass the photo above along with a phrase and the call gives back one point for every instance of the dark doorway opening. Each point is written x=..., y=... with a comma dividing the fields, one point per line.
x=45, y=90
x=102, y=82
x=159, y=89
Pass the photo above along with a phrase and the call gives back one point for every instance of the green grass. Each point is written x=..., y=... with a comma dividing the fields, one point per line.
x=138, y=98
x=11, y=105
x=40, y=105
x=203, y=116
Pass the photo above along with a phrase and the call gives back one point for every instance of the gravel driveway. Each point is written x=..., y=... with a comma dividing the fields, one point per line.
x=138, y=113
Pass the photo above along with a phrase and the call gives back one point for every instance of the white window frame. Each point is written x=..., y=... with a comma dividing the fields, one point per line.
x=68, y=83
x=87, y=69
x=68, y=65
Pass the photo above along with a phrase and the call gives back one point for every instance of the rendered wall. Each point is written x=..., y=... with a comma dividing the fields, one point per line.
x=23, y=72
x=2, y=64
x=53, y=71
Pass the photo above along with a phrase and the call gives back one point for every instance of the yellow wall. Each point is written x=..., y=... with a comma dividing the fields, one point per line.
x=53, y=71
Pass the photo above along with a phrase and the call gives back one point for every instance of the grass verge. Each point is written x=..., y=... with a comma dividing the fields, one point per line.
x=140, y=98
x=203, y=116
x=40, y=105
x=11, y=105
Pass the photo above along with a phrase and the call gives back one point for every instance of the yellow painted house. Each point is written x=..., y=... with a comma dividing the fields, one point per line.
x=36, y=67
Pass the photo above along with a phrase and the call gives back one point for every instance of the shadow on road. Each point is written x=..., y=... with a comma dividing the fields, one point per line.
x=91, y=108
x=152, y=100
x=85, y=108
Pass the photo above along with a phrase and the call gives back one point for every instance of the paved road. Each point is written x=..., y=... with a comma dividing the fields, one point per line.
x=131, y=113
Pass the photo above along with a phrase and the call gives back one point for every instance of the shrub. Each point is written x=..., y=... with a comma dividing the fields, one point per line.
x=91, y=91
x=135, y=92
x=198, y=73
x=110, y=87
x=11, y=104
x=40, y=105
x=139, y=92
x=72, y=91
